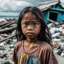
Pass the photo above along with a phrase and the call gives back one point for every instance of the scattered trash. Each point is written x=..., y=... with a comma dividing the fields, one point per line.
x=14, y=41
x=7, y=40
x=57, y=32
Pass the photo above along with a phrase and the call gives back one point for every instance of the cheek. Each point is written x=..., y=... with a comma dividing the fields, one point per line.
x=37, y=30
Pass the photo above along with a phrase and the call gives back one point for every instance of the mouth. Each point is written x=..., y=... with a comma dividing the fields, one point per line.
x=30, y=33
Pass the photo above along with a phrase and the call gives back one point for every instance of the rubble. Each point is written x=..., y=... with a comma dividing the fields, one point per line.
x=7, y=40
x=57, y=32
x=7, y=28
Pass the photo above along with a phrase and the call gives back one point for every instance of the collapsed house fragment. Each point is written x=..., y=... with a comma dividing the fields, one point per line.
x=53, y=10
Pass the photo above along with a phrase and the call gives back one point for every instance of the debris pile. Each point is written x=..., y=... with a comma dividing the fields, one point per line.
x=7, y=29
x=57, y=32
x=7, y=39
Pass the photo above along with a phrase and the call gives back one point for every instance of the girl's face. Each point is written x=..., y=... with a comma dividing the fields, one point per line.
x=30, y=25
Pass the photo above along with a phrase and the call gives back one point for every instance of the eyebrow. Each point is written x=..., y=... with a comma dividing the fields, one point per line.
x=28, y=20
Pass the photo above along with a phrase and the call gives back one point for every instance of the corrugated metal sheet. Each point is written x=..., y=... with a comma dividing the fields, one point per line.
x=46, y=5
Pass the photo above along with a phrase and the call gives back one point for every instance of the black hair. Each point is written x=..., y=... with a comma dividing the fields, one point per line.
x=44, y=34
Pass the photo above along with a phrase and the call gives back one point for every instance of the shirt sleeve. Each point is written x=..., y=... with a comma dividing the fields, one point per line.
x=14, y=55
x=47, y=57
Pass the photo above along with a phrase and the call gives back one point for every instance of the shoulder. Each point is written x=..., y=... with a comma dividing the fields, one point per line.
x=18, y=45
x=46, y=47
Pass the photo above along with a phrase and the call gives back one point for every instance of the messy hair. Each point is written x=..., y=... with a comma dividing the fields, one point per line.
x=44, y=34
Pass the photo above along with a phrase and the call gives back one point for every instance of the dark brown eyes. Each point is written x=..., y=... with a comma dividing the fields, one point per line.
x=30, y=23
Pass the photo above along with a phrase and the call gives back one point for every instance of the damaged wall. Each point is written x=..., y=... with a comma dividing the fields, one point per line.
x=54, y=12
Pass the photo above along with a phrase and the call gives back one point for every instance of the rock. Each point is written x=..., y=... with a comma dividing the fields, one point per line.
x=56, y=40
x=56, y=34
x=2, y=48
x=3, y=55
x=52, y=30
x=62, y=54
x=59, y=52
x=49, y=25
x=11, y=46
x=2, y=44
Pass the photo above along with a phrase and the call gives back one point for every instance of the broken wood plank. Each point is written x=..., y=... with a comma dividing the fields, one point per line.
x=7, y=29
x=8, y=24
x=10, y=36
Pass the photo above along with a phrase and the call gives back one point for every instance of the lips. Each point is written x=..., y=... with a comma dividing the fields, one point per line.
x=30, y=33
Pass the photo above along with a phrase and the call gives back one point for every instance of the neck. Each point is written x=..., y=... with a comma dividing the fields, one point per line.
x=31, y=40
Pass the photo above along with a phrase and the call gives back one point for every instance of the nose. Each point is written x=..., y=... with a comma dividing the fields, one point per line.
x=30, y=27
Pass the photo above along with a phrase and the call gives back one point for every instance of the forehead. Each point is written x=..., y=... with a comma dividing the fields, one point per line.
x=29, y=15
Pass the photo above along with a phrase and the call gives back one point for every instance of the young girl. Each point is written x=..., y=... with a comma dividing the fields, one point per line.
x=34, y=40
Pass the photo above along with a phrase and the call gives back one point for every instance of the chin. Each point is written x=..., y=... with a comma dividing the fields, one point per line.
x=31, y=37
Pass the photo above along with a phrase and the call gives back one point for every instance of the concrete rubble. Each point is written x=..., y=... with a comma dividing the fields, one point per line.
x=7, y=40
x=57, y=32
